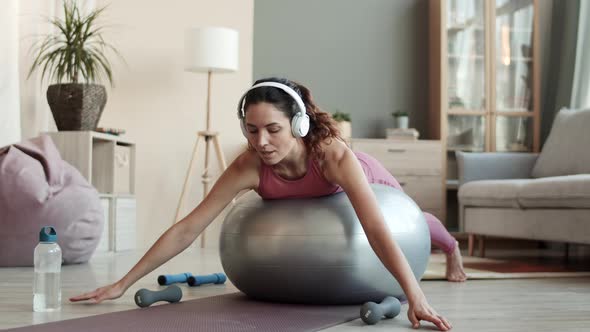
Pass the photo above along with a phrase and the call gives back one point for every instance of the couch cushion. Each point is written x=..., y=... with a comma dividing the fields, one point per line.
x=567, y=149
x=572, y=191
x=491, y=193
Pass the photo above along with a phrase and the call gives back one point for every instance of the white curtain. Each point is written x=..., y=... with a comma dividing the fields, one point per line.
x=32, y=19
x=581, y=86
x=10, y=131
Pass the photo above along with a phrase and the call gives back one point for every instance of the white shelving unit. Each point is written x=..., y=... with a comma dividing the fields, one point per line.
x=108, y=163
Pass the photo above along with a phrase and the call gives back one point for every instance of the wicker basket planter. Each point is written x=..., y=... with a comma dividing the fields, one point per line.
x=76, y=106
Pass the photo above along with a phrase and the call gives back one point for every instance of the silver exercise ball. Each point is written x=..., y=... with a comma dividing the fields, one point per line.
x=315, y=250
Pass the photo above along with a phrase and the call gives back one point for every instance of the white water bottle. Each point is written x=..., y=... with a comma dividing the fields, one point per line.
x=47, y=284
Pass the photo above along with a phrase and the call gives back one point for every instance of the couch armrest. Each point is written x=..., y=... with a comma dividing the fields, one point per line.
x=494, y=165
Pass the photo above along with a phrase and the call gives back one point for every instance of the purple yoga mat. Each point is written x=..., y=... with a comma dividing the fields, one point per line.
x=230, y=312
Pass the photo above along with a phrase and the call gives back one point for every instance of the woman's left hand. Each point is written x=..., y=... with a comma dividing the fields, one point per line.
x=421, y=310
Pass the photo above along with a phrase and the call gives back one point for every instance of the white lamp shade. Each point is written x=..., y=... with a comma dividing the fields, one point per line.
x=211, y=49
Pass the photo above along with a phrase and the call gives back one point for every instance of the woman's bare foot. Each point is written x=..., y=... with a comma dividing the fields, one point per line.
x=455, y=270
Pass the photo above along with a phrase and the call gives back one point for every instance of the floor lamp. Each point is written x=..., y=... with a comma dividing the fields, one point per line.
x=210, y=49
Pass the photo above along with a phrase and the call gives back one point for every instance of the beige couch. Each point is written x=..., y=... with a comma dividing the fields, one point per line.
x=529, y=196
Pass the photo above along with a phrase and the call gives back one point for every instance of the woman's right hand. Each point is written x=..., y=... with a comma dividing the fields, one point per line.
x=109, y=292
x=419, y=309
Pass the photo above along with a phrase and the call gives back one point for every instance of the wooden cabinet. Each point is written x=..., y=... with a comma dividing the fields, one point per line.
x=417, y=165
x=484, y=81
x=485, y=76
x=108, y=163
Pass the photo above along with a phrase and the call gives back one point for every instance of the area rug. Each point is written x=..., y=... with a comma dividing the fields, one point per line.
x=487, y=268
x=230, y=312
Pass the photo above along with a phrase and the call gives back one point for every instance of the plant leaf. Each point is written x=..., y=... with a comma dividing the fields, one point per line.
x=76, y=51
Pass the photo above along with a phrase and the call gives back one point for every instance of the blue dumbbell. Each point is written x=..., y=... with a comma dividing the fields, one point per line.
x=168, y=279
x=215, y=278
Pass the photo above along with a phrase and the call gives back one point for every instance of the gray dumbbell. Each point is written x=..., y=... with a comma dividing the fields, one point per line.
x=145, y=298
x=372, y=313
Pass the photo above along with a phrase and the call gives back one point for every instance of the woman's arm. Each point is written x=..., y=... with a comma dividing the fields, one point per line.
x=241, y=174
x=178, y=237
x=343, y=168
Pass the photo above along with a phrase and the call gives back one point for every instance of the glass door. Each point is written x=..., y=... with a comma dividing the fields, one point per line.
x=512, y=107
x=466, y=79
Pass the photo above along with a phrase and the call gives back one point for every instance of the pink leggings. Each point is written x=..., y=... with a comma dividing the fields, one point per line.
x=376, y=173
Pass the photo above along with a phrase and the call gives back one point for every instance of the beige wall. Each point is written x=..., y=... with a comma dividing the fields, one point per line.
x=162, y=107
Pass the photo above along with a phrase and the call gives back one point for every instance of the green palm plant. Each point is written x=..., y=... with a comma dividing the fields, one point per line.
x=76, y=51
x=75, y=60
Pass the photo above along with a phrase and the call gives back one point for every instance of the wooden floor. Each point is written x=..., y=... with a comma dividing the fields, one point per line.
x=482, y=305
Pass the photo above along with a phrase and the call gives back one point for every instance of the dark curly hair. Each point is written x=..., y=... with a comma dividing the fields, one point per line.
x=322, y=125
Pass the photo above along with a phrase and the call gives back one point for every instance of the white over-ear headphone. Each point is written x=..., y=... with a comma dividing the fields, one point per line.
x=299, y=122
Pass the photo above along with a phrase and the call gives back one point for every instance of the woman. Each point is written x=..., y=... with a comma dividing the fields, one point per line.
x=292, y=142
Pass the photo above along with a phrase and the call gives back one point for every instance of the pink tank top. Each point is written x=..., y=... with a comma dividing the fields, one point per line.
x=314, y=184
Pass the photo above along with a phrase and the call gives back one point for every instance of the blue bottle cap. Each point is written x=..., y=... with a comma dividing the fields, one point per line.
x=47, y=234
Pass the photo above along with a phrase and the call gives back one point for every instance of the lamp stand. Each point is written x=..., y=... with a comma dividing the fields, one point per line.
x=208, y=136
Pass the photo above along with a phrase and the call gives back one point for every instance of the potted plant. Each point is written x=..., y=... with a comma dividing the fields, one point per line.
x=401, y=119
x=343, y=120
x=74, y=59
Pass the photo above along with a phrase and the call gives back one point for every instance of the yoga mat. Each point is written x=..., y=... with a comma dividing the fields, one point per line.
x=230, y=312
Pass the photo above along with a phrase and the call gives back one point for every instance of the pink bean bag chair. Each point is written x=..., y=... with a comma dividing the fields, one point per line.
x=38, y=188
